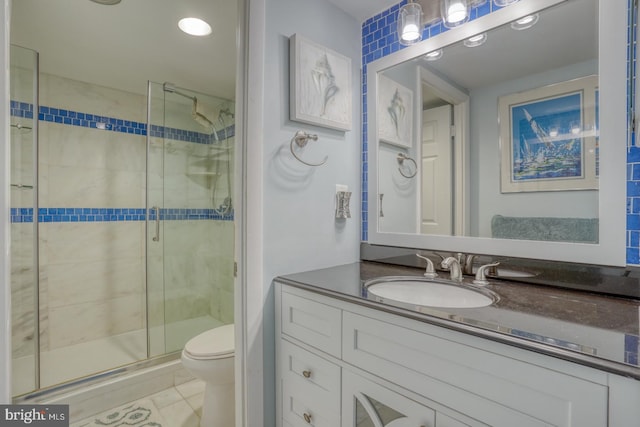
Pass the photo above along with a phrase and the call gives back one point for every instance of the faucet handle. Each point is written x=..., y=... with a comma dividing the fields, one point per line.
x=481, y=278
x=430, y=272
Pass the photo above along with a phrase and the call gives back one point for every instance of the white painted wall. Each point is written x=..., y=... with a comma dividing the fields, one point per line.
x=299, y=229
x=5, y=288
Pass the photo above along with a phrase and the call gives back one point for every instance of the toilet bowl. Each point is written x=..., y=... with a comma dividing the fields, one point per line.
x=210, y=357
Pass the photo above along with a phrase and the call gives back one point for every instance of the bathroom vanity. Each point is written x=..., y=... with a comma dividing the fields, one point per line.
x=539, y=356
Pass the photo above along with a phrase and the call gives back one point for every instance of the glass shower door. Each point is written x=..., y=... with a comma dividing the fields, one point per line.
x=24, y=220
x=190, y=229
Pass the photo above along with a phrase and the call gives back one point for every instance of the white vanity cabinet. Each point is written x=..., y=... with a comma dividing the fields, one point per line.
x=345, y=364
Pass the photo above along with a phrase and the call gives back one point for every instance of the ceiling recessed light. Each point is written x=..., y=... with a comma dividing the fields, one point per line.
x=525, y=22
x=434, y=55
x=194, y=26
x=476, y=40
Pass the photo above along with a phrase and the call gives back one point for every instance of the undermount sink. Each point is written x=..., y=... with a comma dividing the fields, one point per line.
x=413, y=292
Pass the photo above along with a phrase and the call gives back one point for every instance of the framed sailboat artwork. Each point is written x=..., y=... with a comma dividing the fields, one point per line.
x=549, y=137
x=320, y=85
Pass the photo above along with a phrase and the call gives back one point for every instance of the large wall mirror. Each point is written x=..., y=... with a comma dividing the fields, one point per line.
x=506, y=138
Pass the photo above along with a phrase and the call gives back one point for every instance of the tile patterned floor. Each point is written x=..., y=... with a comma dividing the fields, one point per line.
x=179, y=406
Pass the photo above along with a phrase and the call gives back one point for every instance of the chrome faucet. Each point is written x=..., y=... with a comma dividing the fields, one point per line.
x=453, y=265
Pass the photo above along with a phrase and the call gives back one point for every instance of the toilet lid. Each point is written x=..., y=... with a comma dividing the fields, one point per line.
x=212, y=343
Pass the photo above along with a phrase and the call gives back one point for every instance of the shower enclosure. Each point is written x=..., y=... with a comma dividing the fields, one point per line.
x=122, y=224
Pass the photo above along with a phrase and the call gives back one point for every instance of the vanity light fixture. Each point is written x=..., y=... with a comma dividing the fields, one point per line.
x=434, y=55
x=454, y=12
x=194, y=26
x=525, y=22
x=410, y=23
x=475, y=41
x=502, y=3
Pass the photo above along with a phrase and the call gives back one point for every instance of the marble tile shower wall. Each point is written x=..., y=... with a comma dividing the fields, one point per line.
x=379, y=39
x=92, y=196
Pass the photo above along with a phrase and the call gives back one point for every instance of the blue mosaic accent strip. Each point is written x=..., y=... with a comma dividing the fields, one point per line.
x=379, y=39
x=21, y=215
x=631, y=349
x=95, y=121
x=21, y=109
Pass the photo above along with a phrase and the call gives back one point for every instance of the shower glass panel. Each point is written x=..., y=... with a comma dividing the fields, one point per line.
x=24, y=224
x=190, y=227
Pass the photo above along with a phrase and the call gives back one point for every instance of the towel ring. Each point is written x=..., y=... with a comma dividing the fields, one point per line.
x=401, y=158
x=301, y=139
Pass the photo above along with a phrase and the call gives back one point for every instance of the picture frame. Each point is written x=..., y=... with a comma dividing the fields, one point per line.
x=320, y=85
x=395, y=113
x=548, y=137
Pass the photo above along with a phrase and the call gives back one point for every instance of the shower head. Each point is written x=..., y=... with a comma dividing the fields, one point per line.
x=197, y=111
x=199, y=117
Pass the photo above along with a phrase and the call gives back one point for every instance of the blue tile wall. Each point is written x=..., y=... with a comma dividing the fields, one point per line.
x=94, y=121
x=379, y=39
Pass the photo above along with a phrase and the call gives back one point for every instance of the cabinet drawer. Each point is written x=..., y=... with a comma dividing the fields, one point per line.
x=497, y=390
x=310, y=388
x=313, y=323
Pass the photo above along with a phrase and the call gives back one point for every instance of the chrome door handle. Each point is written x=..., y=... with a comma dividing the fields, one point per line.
x=156, y=238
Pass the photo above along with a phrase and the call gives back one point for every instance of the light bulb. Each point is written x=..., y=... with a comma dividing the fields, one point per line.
x=457, y=12
x=410, y=32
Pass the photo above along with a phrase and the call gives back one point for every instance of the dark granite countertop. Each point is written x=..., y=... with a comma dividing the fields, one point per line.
x=596, y=330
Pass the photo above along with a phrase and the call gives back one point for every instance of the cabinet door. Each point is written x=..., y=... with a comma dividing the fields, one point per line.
x=367, y=404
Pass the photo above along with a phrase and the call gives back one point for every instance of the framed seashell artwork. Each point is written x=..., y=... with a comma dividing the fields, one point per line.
x=320, y=85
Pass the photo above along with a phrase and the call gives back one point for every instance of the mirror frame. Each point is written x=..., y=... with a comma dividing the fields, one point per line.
x=612, y=69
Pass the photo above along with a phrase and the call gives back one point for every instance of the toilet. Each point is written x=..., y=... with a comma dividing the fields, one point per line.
x=210, y=357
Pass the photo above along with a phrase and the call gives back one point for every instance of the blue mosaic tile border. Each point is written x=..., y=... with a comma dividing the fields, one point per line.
x=95, y=121
x=20, y=215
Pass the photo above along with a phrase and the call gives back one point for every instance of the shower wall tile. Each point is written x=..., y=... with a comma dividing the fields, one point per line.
x=93, y=148
x=90, y=98
x=86, y=282
x=87, y=242
x=23, y=301
x=78, y=323
x=78, y=186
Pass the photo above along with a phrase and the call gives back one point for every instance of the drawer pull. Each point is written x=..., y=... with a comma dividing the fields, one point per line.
x=307, y=418
x=306, y=374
